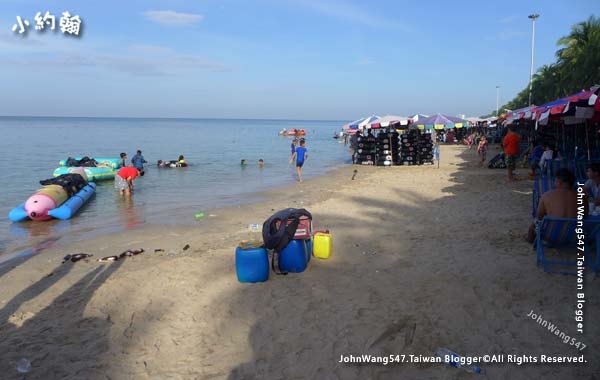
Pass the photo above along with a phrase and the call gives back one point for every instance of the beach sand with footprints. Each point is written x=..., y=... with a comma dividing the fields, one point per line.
x=423, y=258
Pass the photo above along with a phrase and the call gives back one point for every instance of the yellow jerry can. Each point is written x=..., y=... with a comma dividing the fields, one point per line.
x=322, y=244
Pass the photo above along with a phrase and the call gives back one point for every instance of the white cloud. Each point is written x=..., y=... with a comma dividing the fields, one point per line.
x=136, y=60
x=173, y=18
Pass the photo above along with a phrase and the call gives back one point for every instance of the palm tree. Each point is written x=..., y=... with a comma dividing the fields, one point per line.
x=580, y=58
x=577, y=67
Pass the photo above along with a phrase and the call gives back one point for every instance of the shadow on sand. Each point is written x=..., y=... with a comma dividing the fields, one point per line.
x=55, y=349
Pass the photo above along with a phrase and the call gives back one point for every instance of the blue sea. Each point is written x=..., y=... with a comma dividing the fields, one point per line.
x=31, y=148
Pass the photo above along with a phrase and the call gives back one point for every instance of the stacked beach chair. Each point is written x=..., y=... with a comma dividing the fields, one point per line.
x=367, y=151
x=425, y=146
x=416, y=148
x=387, y=148
x=408, y=147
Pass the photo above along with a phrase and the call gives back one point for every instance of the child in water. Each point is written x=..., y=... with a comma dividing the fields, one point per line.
x=261, y=163
x=300, y=155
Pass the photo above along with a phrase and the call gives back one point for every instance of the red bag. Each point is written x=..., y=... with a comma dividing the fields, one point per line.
x=304, y=230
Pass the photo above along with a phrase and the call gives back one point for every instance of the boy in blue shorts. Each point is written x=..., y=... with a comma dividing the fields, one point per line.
x=300, y=155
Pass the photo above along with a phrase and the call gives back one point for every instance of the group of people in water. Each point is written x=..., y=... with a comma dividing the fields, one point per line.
x=244, y=163
x=179, y=163
x=127, y=173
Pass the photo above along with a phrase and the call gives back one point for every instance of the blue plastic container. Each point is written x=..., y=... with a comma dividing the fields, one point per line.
x=251, y=264
x=295, y=256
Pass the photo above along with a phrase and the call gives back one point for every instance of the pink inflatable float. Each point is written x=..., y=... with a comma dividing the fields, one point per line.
x=47, y=198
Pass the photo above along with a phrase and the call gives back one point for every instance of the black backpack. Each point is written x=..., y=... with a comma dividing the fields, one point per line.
x=71, y=182
x=279, y=229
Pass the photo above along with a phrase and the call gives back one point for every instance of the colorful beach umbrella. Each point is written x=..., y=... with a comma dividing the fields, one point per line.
x=440, y=121
x=387, y=120
x=366, y=123
x=353, y=125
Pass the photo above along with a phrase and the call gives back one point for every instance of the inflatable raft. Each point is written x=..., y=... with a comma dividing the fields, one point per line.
x=106, y=169
x=114, y=163
x=46, y=204
x=53, y=200
x=92, y=173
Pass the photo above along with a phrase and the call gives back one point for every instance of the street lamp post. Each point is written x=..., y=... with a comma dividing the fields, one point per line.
x=533, y=17
x=497, y=92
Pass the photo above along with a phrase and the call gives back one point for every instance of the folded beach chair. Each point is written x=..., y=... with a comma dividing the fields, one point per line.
x=541, y=184
x=560, y=233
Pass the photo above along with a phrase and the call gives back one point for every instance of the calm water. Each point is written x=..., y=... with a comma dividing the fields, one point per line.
x=30, y=149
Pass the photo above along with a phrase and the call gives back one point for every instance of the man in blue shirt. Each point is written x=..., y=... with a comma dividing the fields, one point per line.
x=300, y=155
x=138, y=162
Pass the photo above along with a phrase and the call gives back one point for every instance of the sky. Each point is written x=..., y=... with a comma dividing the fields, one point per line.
x=286, y=59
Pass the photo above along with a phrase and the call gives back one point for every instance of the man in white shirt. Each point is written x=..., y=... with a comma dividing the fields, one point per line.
x=546, y=156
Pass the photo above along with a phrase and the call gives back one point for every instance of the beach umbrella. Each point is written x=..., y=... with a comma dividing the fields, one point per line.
x=367, y=122
x=440, y=121
x=353, y=125
x=387, y=120
x=417, y=117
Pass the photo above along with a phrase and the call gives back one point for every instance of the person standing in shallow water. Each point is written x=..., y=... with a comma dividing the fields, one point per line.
x=293, y=146
x=138, y=162
x=124, y=180
x=300, y=155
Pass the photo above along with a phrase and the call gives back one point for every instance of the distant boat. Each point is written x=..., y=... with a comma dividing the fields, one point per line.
x=292, y=132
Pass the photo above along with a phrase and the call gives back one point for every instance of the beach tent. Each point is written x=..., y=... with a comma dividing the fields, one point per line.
x=440, y=122
x=386, y=121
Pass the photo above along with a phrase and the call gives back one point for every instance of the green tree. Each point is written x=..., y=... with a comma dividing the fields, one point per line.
x=577, y=67
x=579, y=59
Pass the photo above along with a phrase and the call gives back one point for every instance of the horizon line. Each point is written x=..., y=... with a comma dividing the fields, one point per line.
x=165, y=118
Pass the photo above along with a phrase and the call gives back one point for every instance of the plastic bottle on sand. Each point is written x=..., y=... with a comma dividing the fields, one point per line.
x=454, y=360
x=23, y=366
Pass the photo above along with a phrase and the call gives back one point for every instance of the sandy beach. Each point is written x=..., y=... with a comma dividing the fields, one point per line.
x=423, y=258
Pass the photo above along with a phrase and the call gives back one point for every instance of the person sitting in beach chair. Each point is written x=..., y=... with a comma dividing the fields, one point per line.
x=534, y=157
x=561, y=202
x=546, y=157
x=592, y=185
